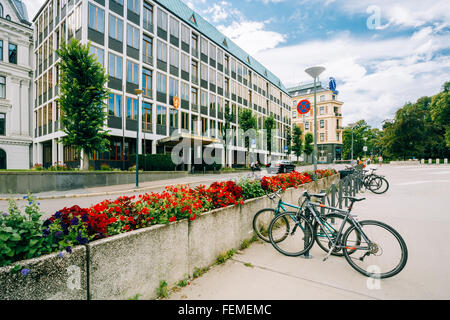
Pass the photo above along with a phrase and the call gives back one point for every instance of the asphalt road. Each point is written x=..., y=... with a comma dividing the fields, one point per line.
x=416, y=205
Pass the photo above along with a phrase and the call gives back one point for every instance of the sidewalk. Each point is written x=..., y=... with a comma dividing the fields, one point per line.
x=261, y=273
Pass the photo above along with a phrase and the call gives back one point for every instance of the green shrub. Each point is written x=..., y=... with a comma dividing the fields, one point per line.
x=105, y=167
x=21, y=235
x=251, y=188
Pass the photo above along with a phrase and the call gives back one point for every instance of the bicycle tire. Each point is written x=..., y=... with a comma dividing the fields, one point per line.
x=258, y=226
x=351, y=260
x=299, y=220
x=322, y=240
x=380, y=182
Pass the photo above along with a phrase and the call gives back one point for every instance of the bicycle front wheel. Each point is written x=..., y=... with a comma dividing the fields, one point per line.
x=378, y=185
x=291, y=234
x=384, y=254
x=261, y=222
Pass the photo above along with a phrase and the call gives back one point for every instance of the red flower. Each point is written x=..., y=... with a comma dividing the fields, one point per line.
x=126, y=227
x=172, y=219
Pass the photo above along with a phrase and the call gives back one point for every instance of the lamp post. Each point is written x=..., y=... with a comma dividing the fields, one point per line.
x=365, y=147
x=138, y=92
x=352, y=125
x=315, y=72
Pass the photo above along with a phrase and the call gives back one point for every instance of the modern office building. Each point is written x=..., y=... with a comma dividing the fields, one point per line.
x=168, y=51
x=329, y=119
x=16, y=80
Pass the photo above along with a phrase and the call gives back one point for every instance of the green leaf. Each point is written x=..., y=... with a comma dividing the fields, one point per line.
x=16, y=237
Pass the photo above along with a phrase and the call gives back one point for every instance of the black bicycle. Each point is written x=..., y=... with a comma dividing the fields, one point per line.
x=377, y=184
x=371, y=247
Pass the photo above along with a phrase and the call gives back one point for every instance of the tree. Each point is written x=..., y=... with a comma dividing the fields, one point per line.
x=247, y=122
x=440, y=111
x=226, y=132
x=309, y=146
x=297, y=142
x=360, y=130
x=288, y=141
x=82, y=99
x=269, y=125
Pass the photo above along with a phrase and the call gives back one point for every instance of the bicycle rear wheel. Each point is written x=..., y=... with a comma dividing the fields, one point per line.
x=378, y=185
x=261, y=222
x=386, y=254
x=291, y=234
x=332, y=223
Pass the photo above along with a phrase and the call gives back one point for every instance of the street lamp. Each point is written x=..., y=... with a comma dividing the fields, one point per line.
x=138, y=92
x=365, y=147
x=352, y=125
x=315, y=72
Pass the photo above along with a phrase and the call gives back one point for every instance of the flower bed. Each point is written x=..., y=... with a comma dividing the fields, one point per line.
x=27, y=237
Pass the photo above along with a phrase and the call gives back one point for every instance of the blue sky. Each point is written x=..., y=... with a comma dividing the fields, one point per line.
x=382, y=53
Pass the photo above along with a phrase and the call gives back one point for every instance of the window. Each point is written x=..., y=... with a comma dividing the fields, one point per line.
x=212, y=51
x=12, y=53
x=132, y=108
x=185, y=121
x=133, y=5
x=173, y=118
x=148, y=49
x=184, y=91
x=174, y=57
x=321, y=110
x=203, y=98
x=337, y=136
x=1, y=50
x=1, y=11
x=2, y=87
x=204, y=72
x=132, y=36
x=194, y=124
x=115, y=28
x=194, y=95
x=184, y=62
x=322, y=137
x=162, y=20
x=148, y=16
x=307, y=125
x=2, y=124
x=219, y=56
x=132, y=72
x=115, y=66
x=147, y=116
x=98, y=53
x=194, y=42
x=115, y=105
x=174, y=28
x=204, y=46
x=322, y=123
x=185, y=34
x=161, y=83
x=161, y=115
x=173, y=88
x=322, y=98
x=161, y=51
x=212, y=76
x=147, y=77
x=96, y=18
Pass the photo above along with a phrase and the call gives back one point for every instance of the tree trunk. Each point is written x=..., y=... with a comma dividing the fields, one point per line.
x=85, y=161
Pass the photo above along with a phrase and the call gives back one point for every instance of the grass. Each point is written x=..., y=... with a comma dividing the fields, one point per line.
x=224, y=256
x=162, y=291
x=199, y=271
x=136, y=297
x=248, y=264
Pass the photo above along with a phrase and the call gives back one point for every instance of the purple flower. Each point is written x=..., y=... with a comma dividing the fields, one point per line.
x=25, y=271
x=46, y=232
x=47, y=223
x=69, y=249
x=74, y=221
x=60, y=255
x=58, y=215
x=81, y=239
x=85, y=218
x=58, y=234
x=5, y=214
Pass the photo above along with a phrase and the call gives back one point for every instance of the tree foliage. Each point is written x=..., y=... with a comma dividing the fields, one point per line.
x=82, y=98
x=297, y=142
x=309, y=144
x=269, y=125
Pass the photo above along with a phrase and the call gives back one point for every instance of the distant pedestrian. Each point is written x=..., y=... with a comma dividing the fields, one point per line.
x=380, y=160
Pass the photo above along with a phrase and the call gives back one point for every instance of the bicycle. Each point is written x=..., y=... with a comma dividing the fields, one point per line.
x=377, y=184
x=357, y=241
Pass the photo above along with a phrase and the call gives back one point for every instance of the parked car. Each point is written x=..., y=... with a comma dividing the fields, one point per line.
x=281, y=166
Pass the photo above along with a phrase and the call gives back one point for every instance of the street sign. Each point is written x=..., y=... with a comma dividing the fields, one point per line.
x=253, y=143
x=365, y=148
x=303, y=107
x=332, y=85
x=286, y=148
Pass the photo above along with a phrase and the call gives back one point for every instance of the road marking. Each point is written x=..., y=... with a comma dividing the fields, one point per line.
x=420, y=182
x=441, y=172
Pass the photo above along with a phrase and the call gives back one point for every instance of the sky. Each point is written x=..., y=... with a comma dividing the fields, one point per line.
x=382, y=53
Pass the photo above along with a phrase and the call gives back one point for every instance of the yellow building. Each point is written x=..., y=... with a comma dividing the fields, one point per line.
x=329, y=119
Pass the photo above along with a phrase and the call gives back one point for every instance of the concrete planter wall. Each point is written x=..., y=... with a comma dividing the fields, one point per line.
x=39, y=181
x=133, y=263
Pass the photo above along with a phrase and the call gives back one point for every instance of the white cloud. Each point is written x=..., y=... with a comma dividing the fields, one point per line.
x=375, y=77
x=33, y=7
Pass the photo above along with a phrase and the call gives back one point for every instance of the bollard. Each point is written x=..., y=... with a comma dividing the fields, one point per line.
x=445, y=161
x=437, y=161
x=422, y=161
x=430, y=161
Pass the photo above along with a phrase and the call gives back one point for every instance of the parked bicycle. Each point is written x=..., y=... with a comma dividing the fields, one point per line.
x=377, y=184
x=371, y=247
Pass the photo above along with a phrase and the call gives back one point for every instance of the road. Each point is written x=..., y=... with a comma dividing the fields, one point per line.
x=416, y=205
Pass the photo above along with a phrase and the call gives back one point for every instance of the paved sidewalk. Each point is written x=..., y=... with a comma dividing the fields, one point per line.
x=415, y=205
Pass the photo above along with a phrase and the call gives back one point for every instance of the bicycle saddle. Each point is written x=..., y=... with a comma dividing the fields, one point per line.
x=353, y=199
x=318, y=195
